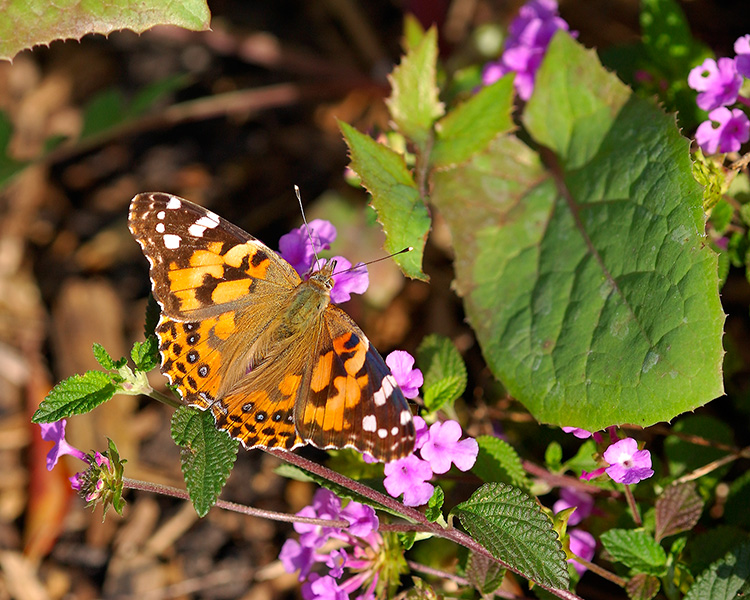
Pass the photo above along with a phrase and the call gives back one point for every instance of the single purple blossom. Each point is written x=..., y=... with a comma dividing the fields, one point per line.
x=731, y=131
x=295, y=556
x=345, y=281
x=296, y=249
x=443, y=448
x=323, y=588
x=627, y=464
x=586, y=476
x=55, y=432
x=408, y=476
x=582, y=544
x=336, y=561
x=422, y=432
x=742, y=60
x=579, y=433
x=325, y=505
x=401, y=364
x=570, y=497
x=362, y=519
x=718, y=83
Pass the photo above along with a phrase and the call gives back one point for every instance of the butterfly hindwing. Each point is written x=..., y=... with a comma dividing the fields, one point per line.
x=353, y=400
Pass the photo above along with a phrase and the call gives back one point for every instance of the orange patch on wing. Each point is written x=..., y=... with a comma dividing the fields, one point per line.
x=224, y=325
x=321, y=376
x=205, y=258
x=353, y=364
x=187, y=299
x=238, y=253
x=228, y=291
x=290, y=384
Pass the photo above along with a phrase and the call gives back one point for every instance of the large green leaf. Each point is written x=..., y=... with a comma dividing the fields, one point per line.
x=590, y=286
x=725, y=579
x=515, y=530
x=27, y=23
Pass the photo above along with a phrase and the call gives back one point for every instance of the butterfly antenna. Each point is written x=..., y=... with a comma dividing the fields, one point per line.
x=352, y=268
x=307, y=227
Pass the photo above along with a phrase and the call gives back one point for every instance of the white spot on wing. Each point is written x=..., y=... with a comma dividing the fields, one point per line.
x=174, y=203
x=405, y=417
x=196, y=230
x=160, y=215
x=382, y=433
x=160, y=227
x=208, y=221
x=172, y=241
x=369, y=423
x=386, y=389
x=394, y=430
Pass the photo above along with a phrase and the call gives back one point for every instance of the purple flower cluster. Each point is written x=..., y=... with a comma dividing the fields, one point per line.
x=718, y=84
x=360, y=553
x=529, y=34
x=298, y=248
x=439, y=447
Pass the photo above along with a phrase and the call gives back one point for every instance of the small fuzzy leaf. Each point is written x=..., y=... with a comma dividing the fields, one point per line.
x=725, y=578
x=443, y=369
x=27, y=24
x=636, y=549
x=484, y=574
x=414, y=103
x=207, y=455
x=642, y=587
x=498, y=461
x=145, y=354
x=103, y=357
x=553, y=457
x=678, y=509
x=435, y=504
x=74, y=396
x=467, y=129
x=395, y=198
x=515, y=530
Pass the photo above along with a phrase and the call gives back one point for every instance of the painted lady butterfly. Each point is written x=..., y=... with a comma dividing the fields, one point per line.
x=242, y=335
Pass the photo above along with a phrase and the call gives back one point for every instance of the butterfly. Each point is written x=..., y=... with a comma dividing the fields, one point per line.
x=243, y=335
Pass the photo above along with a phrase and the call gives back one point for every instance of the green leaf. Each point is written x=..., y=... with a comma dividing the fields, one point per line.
x=484, y=574
x=498, y=461
x=667, y=37
x=145, y=354
x=590, y=287
x=725, y=578
x=26, y=24
x=553, y=457
x=678, y=509
x=103, y=357
x=207, y=455
x=414, y=102
x=443, y=369
x=467, y=129
x=636, y=549
x=413, y=32
x=151, y=94
x=435, y=504
x=395, y=198
x=709, y=546
x=8, y=166
x=515, y=530
x=74, y=396
x=103, y=112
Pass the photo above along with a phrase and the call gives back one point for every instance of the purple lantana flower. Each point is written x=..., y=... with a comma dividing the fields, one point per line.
x=408, y=476
x=579, y=433
x=444, y=447
x=742, y=60
x=335, y=573
x=582, y=544
x=346, y=282
x=725, y=131
x=718, y=83
x=401, y=364
x=627, y=464
x=296, y=249
x=570, y=497
x=529, y=35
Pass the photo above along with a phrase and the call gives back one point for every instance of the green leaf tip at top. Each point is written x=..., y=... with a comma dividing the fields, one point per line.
x=444, y=371
x=74, y=396
x=515, y=530
x=207, y=457
x=401, y=210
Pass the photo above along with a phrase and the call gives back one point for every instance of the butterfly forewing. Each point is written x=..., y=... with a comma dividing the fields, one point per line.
x=232, y=341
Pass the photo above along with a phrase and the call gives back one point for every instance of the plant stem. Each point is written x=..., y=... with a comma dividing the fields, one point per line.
x=633, y=506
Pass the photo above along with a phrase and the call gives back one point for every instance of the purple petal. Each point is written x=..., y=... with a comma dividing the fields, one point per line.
x=570, y=497
x=347, y=283
x=409, y=380
x=419, y=494
x=405, y=474
x=362, y=518
x=295, y=557
x=582, y=544
x=422, y=432
x=579, y=433
x=443, y=448
x=336, y=561
x=296, y=249
x=55, y=432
